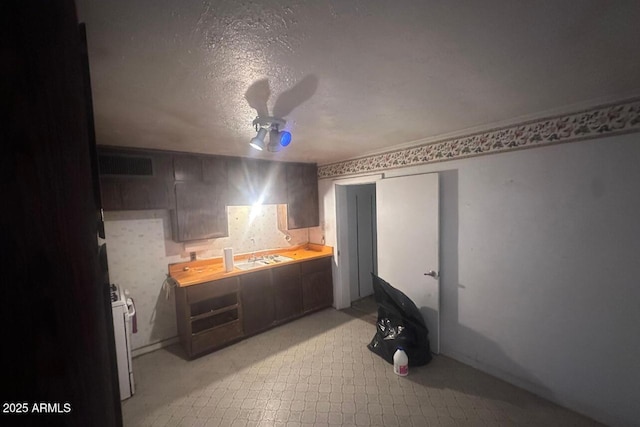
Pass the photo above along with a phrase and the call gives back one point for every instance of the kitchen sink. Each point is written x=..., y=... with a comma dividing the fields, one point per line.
x=274, y=259
x=248, y=265
x=262, y=261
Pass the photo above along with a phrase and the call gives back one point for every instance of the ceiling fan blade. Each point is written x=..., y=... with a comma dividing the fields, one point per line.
x=290, y=99
x=257, y=96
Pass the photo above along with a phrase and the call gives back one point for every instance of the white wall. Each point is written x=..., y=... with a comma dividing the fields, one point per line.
x=140, y=249
x=540, y=271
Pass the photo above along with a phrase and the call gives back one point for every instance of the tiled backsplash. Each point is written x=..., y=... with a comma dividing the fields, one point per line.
x=261, y=225
x=140, y=248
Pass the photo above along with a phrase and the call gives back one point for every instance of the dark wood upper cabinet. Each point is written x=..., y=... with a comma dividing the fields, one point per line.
x=187, y=167
x=302, y=197
x=110, y=194
x=215, y=170
x=199, y=214
x=215, y=173
x=275, y=184
x=201, y=197
x=133, y=162
x=244, y=180
x=252, y=181
x=145, y=194
x=133, y=179
x=238, y=191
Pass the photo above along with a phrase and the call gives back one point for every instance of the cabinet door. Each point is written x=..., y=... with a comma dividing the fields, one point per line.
x=295, y=197
x=317, y=284
x=246, y=181
x=252, y=180
x=256, y=179
x=302, y=196
x=110, y=194
x=287, y=291
x=187, y=168
x=145, y=193
x=237, y=191
x=215, y=173
x=135, y=179
x=275, y=184
x=310, y=179
x=198, y=214
x=258, y=310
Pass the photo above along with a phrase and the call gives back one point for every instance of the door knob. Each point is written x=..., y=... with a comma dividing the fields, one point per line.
x=432, y=273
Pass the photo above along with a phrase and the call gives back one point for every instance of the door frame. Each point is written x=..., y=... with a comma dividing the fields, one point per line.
x=342, y=295
x=355, y=232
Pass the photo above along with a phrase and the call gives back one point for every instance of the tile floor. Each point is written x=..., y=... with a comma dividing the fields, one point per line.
x=317, y=371
x=365, y=308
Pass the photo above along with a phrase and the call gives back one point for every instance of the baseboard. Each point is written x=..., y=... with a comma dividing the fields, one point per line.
x=154, y=346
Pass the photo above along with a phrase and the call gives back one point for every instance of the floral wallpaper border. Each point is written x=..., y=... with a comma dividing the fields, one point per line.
x=614, y=119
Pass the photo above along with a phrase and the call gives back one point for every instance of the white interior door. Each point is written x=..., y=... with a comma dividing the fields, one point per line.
x=407, y=215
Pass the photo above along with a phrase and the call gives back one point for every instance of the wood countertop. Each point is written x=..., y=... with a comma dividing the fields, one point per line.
x=200, y=271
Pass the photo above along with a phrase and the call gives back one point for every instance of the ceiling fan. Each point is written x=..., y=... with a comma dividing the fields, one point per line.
x=257, y=96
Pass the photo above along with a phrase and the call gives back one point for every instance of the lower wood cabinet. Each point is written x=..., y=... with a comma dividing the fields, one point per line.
x=317, y=284
x=257, y=301
x=287, y=291
x=209, y=315
x=213, y=314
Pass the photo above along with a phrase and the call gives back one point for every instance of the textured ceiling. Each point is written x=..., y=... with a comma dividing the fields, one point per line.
x=350, y=77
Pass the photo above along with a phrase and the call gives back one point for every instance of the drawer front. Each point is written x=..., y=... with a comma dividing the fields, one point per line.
x=316, y=265
x=215, y=338
x=212, y=289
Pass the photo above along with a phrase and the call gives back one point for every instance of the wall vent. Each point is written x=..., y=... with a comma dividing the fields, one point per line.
x=125, y=165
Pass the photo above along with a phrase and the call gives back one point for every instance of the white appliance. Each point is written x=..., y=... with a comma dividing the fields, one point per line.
x=123, y=312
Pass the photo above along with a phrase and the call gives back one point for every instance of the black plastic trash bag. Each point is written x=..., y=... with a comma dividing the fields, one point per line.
x=400, y=324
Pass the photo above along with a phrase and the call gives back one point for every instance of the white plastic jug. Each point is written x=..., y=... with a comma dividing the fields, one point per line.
x=400, y=362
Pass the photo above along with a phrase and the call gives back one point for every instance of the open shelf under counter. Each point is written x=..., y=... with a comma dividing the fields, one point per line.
x=209, y=315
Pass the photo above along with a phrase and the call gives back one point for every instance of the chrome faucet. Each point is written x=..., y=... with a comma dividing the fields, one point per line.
x=252, y=257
